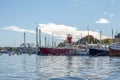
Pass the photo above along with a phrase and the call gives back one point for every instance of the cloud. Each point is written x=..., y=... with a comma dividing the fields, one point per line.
x=18, y=29
x=58, y=31
x=61, y=31
x=102, y=21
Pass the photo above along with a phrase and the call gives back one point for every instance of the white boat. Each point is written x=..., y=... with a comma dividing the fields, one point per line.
x=115, y=47
x=3, y=51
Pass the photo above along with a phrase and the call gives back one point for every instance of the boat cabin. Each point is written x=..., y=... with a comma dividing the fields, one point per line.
x=117, y=38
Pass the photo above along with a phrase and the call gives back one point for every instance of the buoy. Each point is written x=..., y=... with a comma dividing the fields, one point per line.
x=9, y=54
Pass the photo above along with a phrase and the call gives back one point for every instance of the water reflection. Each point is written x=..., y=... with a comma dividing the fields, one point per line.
x=24, y=63
x=93, y=68
x=53, y=66
x=84, y=67
x=69, y=65
x=33, y=67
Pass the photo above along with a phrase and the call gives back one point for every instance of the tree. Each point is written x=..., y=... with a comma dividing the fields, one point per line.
x=90, y=39
x=62, y=44
x=107, y=41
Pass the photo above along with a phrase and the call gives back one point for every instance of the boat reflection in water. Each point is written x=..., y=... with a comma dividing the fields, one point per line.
x=69, y=72
x=77, y=68
x=33, y=67
x=56, y=68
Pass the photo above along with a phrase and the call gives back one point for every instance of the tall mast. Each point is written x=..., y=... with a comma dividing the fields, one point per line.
x=45, y=41
x=52, y=39
x=24, y=42
x=112, y=34
x=24, y=39
x=100, y=38
x=88, y=35
x=39, y=37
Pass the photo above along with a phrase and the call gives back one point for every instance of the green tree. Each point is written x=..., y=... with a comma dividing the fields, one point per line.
x=107, y=41
x=62, y=44
x=91, y=40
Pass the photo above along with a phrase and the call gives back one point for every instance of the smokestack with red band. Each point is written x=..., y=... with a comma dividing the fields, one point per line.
x=69, y=38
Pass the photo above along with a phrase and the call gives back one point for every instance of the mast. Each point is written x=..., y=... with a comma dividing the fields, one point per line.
x=52, y=39
x=24, y=42
x=88, y=35
x=45, y=41
x=37, y=39
x=112, y=34
x=24, y=39
x=100, y=38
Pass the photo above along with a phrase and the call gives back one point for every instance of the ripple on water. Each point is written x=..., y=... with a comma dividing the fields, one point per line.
x=66, y=78
x=33, y=67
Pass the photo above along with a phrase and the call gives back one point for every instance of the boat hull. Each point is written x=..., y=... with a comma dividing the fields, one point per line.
x=98, y=52
x=55, y=51
x=114, y=52
x=115, y=49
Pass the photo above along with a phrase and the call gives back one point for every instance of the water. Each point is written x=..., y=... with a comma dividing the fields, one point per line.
x=33, y=67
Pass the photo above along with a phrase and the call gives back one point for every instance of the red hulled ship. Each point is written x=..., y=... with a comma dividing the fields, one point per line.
x=115, y=47
x=55, y=51
x=67, y=50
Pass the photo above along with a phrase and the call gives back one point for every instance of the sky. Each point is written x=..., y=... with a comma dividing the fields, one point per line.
x=57, y=17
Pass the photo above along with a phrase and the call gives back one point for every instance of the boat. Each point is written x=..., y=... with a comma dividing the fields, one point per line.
x=3, y=51
x=114, y=48
x=98, y=52
x=67, y=50
x=98, y=49
x=55, y=51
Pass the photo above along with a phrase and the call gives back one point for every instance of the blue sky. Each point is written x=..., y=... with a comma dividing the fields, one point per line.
x=56, y=16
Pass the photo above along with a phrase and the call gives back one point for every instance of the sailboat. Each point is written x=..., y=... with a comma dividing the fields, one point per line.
x=98, y=50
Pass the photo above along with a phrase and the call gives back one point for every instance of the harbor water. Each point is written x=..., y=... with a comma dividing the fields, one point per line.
x=34, y=67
